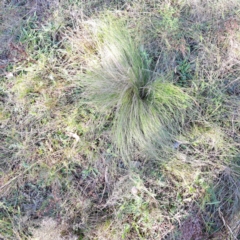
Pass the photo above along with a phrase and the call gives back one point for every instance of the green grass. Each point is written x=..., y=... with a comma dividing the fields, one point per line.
x=148, y=109
x=120, y=121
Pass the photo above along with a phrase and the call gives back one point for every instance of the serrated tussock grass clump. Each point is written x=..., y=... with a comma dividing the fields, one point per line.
x=147, y=109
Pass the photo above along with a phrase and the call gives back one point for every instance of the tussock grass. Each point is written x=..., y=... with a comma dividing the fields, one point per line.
x=148, y=109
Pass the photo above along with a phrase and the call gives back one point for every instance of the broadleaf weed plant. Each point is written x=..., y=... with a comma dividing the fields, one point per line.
x=148, y=109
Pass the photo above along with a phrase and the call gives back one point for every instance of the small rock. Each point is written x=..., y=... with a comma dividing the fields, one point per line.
x=135, y=164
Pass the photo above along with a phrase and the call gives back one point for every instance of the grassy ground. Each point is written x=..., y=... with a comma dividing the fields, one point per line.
x=120, y=119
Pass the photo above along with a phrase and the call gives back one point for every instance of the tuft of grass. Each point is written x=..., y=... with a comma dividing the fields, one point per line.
x=148, y=109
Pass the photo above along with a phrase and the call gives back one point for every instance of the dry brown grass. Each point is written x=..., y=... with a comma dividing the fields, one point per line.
x=59, y=172
x=50, y=229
